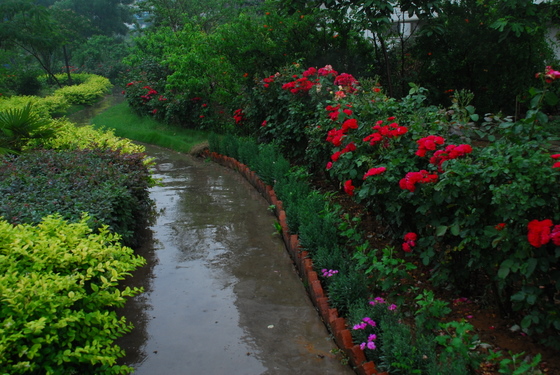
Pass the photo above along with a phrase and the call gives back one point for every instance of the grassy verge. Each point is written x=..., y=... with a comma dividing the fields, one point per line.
x=144, y=129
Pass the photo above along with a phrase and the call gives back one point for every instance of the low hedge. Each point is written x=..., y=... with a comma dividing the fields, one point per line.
x=110, y=186
x=92, y=88
x=58, y=289
x=87, y=89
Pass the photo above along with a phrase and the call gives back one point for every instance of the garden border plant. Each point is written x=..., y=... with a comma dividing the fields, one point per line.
x=448, y=166
x=71, y=269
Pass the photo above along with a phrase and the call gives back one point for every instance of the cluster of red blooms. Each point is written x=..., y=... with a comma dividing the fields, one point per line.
x=431, y=142
x=238, y=116
x=267, y=81
x=374, y=172
x=148, y=96
x=310, y=78
x=347, y=81
x=556, y=157
x=428, y=143
x=385, y=132
x=327, y=70
x=450, y=152
x=302, y=84
x=334, y=157
x=542, y=232
x=409, y=241
x=549, y=75
x=334, y=111
x=349, y=188
x=412, y=178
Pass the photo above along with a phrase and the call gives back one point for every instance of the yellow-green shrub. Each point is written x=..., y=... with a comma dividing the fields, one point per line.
x=72, y=137
x=44, y=107
x=88, y=92
x=57, y=284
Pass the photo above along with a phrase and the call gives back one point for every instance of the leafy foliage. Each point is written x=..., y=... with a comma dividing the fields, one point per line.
x=58, y=285
x=110, y=186
x=19, y=126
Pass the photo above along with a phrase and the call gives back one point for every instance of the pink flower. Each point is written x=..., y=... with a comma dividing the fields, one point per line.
x=264, y=123
x=556, y=165
x=555, y=156
x=361, y=325
x=329, y=165
x=374, y=172
x=392, y=307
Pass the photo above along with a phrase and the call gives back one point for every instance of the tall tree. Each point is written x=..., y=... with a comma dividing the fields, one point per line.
x=108, y=17
x=31, y=28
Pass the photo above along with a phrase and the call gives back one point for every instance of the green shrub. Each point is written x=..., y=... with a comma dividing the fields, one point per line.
x=71, y=137
x=91, y=90
x=20, y=126
x=58, y=286
x=45, y=107
x=110, y=186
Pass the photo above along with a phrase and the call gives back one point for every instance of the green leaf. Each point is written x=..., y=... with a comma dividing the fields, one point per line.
x=531, y=265
x=505, y=268
x=455, y=230
x=441, y=230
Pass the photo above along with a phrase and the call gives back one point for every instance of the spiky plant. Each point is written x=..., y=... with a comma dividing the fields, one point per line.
x=18, y=126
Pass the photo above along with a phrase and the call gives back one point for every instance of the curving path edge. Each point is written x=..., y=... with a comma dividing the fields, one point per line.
x=304, y=264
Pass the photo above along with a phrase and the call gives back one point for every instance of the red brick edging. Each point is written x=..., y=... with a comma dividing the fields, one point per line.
x=304, y=264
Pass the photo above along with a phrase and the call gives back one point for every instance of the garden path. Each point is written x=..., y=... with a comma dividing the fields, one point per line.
x=222, y=296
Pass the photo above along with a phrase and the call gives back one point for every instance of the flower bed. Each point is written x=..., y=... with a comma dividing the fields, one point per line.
x=462, y=212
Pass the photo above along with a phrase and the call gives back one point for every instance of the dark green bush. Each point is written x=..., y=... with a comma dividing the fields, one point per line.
x=111, y=187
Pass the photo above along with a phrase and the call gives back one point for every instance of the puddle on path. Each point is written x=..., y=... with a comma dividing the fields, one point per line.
x=222, y=296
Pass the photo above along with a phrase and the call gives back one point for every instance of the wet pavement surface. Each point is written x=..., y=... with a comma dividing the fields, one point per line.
x=221, y=294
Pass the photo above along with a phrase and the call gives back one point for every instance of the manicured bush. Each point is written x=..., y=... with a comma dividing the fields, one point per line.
x=91, y=89
x=71, y=137
x=58, y=287
x=110, y=186
x=45, y=107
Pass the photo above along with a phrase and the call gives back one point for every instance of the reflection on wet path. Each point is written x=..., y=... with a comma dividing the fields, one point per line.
x=221, y=294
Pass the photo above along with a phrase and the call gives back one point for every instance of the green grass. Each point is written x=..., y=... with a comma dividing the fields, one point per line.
x=147, y=130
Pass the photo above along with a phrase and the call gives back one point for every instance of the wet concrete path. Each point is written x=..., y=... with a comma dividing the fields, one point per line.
x=222, y=296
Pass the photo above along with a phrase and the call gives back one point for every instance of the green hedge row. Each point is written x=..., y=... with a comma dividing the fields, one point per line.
x=58, y=289
x=110, y=186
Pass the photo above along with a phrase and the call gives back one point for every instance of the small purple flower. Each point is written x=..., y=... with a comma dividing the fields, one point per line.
x=377, y=300
x=360, y=326
x=372, y=337
x=363, y=345
x=328, y=273
x=392, y=307
x=371, y=345
x=369, y=321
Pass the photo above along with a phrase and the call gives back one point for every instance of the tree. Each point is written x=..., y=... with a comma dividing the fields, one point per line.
x=374, y=17
x=31, y=28
x=107, y=17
